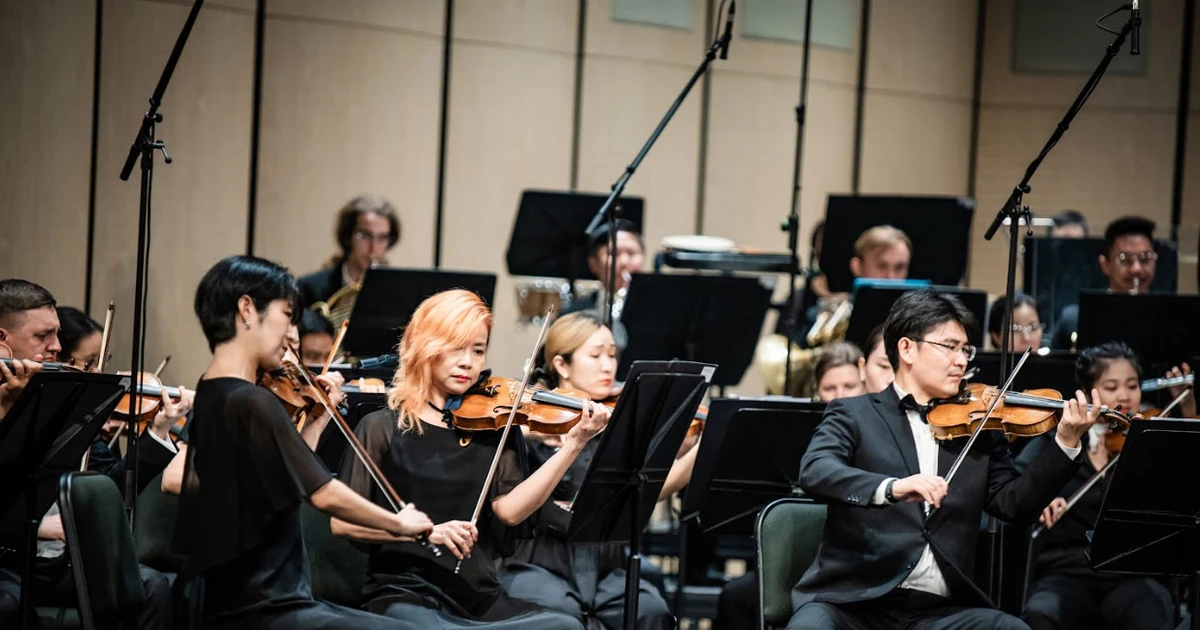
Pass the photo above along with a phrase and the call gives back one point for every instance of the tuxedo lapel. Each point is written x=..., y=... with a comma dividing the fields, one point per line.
x=887, y=405
x=948, y=451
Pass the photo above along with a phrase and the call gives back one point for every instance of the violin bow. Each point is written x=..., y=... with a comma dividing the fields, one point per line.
x=517, y=400
x=360, y=451
x=979, y=428
x=337, y=344
x=1078, y=494
x=104, y=337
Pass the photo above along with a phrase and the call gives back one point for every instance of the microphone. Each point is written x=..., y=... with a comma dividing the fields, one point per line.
x=383, y=362
x=729, y=29
x=1135, y=38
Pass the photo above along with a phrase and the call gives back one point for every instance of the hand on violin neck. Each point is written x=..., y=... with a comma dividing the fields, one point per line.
x=929, y=489
x=332, y=383
x=594, y=418
x=1077, y=419
x=1187, y=406
x=14, y=377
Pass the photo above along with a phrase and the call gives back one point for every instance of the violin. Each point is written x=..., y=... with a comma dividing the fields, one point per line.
x=298, y=397
x=150, y=389
x=488, y=405
x=1020, y=414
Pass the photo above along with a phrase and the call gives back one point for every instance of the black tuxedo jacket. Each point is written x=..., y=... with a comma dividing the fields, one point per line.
x=867, y=551
x=319, y=286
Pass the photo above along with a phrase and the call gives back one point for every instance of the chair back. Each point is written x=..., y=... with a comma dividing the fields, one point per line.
x=154, y=528
x=105, y=569
x=788, y=534
x=338, y=569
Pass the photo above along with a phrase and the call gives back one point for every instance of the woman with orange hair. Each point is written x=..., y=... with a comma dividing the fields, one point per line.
x=441, y=468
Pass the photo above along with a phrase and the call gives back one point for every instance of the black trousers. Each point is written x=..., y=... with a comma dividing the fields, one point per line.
x=902, y=609
x=54, y=585
x=1066, y=602
x=737, y=605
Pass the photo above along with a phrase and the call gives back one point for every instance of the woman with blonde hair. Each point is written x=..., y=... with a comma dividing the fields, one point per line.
x=585, y=581
x=435, y=464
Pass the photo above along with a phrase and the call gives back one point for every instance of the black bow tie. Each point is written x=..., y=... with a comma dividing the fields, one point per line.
x=908, y=402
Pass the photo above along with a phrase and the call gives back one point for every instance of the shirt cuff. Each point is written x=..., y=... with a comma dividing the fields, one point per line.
x=167, y=444
x=880, y=496
x=1071, y=453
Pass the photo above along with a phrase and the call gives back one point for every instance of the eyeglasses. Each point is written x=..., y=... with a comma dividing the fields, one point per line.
x=967, y=350
x=360, y=235
x=1126, y=259
x=1026, y=330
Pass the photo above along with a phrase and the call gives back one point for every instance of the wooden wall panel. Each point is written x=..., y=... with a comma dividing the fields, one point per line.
x=46, y=57
x=348, y=108
x=510, y=129
x=200, y=201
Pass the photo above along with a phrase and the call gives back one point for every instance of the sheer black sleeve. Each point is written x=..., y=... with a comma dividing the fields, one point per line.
x=375, y=432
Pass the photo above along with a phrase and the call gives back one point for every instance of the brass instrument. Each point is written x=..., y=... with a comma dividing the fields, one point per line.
x=770, y=356
x=340, y=305
x=832, y=321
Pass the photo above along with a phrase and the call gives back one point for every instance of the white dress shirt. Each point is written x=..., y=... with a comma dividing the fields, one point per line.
x=927, y=576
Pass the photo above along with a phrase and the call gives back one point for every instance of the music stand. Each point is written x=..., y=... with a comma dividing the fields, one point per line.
x=939, y=228
x=390, y=295
x=1159, y=328
x=1055, y=370
x=44, y=435
x=549, y=235
x=637, y=449
x=1148, y=527
x=710, y=319
x=1057, y=269
x=872, y=303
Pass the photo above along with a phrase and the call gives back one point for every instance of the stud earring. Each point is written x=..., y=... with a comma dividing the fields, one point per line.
x=247, y=322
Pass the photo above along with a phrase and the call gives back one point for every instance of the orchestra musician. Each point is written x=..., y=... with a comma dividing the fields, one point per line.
x=367, y=228
x=1069, y=224
x=316, y=338
x=430, y=460
x=30, y=328
x=631, y=256
x=877, y=370
x=1027, y=328
x=886, y=560
x=835, y=372
x=1066, y=593
x=584, y=581
x=247, y=469
x=882, y=252
x=1128, y=262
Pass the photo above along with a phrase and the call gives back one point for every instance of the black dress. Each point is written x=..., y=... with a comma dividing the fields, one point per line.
x=584, y=581
x=442, y=471
x=1066, y=592
x=246, y=473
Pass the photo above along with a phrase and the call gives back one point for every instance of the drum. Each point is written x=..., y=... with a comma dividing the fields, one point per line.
x=535, y=295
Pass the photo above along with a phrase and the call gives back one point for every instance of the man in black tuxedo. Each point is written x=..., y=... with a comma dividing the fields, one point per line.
x=899, y=542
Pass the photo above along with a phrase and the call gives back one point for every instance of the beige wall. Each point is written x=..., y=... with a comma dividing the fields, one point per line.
x=1117, y=157
x=45, y=142
x=351, y=100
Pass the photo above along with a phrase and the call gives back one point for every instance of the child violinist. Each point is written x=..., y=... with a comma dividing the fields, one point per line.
x=442, y=468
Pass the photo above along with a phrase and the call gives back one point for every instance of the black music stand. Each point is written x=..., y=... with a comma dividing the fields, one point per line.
x=636, y=450
x=749, y=457
x=1147, y=527
x=710, y=319
x=44, y=435
x=872, y=304
x=549, y=235
x=1054, y=370
x=389, y=296
x=1057, y=269
x=939, y=228
x=1160, y=328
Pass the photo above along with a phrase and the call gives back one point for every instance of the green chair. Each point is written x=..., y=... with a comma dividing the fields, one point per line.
x=788, y=534
x=106, y=574
x=154, y=528
x=338, y=569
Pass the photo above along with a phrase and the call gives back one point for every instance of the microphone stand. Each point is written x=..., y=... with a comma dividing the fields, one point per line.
x=792, y=224
x=143, y=148
x=607, y=211
x=1014, y=211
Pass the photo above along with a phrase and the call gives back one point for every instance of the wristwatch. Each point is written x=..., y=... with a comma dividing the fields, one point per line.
x=887, y=491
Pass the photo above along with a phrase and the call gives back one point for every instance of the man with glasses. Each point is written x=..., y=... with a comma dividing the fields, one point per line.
x=1128, y=262
x=367, y=227
x=899, y=543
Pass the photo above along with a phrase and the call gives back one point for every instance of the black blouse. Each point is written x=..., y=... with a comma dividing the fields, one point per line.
x=442, y=473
